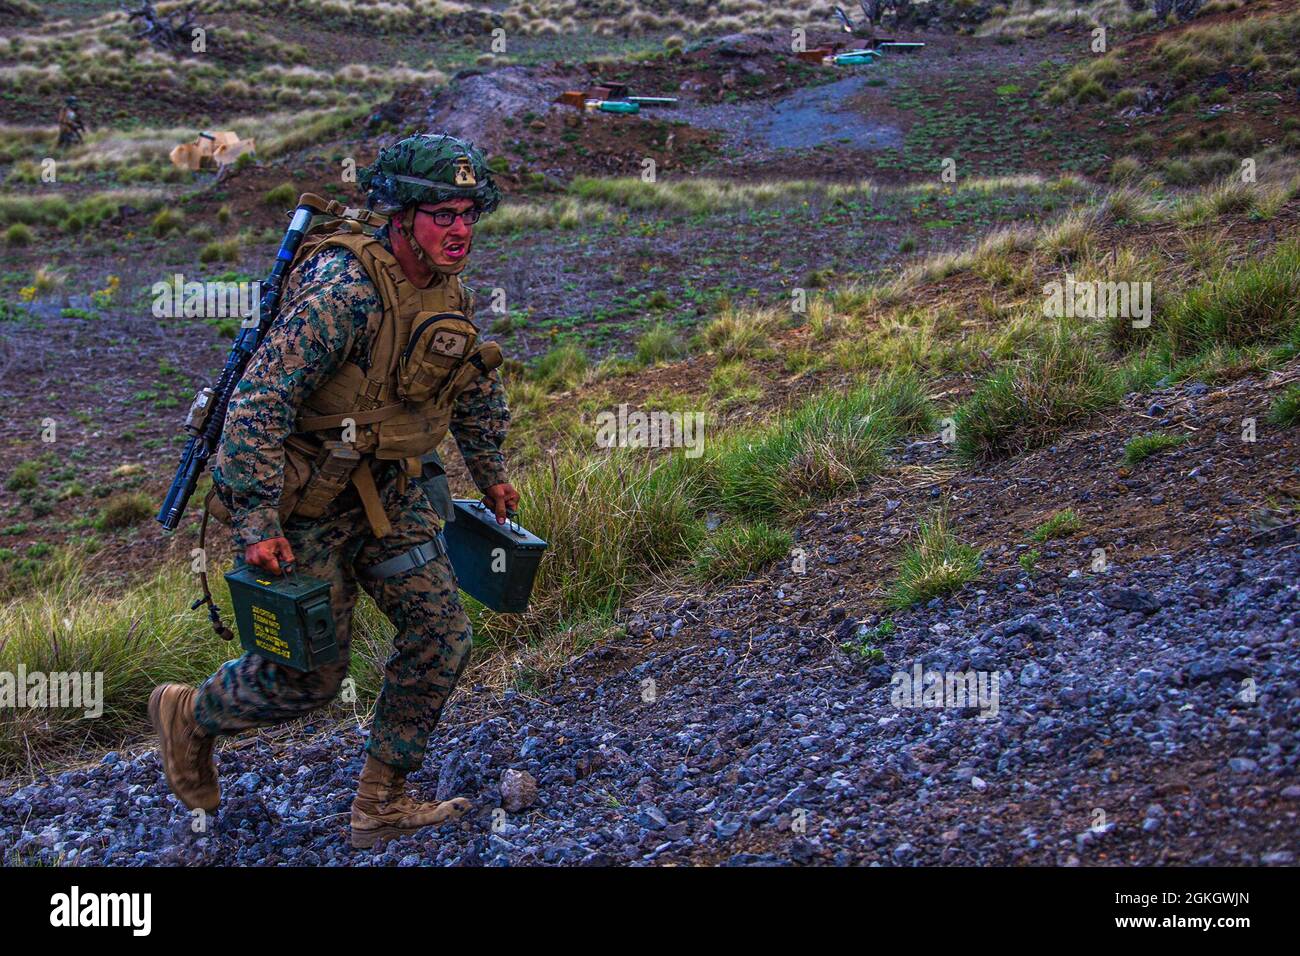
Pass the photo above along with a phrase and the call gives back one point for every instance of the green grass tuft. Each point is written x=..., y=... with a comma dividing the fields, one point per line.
x=126, y=510
x=1285, y=410
x=659, y=343
x=223, y=250
x=1141, y=447
x=18, y=234
x=1023, y=407
x=561, y=367
x=739, y=335
x=737, y=548
x=282, y=195
x=1254, y=304
x=1060, y=525
x=25, y=475
x=165, y=221
x=823, y=449
x=935, y=564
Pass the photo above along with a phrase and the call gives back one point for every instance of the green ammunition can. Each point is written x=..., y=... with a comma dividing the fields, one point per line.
x=286, y=619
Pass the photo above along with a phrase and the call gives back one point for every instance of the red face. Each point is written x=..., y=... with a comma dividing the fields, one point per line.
x=445, y=245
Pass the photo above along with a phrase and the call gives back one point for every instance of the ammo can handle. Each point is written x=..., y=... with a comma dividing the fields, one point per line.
x=511, y=523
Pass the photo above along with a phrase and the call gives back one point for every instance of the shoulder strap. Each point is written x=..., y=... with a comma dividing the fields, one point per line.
x=386, y=342
x=332, y=207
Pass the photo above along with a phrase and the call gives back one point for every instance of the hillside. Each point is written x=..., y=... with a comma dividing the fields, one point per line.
x=923, y=468
x=760, y=718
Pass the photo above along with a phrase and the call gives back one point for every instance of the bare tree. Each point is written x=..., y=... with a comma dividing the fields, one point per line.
x=873, y=11
x=171, y=34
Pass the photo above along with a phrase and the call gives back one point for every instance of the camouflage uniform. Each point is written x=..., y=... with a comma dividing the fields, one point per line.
x=328, y=300
x=70, y=125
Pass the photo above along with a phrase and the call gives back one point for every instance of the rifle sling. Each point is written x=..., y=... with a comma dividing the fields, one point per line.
x=369, y=495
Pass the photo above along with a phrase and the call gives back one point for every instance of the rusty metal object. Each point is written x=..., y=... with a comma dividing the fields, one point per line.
x=221, y=148
x=607, y=91
x=610, y=98
x=816, y=55
x=575, y=98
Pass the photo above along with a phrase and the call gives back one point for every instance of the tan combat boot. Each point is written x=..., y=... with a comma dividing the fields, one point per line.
x=185, y=750
x=382, y=809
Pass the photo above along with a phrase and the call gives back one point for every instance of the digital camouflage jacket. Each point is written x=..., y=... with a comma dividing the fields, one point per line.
x=327, y=305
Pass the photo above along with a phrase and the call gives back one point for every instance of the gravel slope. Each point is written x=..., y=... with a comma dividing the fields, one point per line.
x=1119, y=695
x=1146, y=714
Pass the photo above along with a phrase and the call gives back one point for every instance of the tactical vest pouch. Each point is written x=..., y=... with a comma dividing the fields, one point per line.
x=433, y=481
x=334, y=467
x=297, y=474
x=484, y=359
x=439, y=342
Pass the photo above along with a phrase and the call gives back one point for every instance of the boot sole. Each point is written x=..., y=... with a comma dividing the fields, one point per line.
x=155, y=717
x=365, y=839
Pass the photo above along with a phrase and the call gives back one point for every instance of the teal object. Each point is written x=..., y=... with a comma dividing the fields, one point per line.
x=286, y=619
x=494, y=564
x=618, y=106
x=855, y=58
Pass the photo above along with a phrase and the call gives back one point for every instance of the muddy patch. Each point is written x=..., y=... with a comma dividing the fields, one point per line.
x=475, y=104
x=809, y=117
x=806, y=118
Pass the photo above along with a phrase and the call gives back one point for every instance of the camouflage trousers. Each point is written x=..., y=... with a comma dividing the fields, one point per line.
x=430, y=649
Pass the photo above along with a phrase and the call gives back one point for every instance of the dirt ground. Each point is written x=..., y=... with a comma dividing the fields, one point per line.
x=116, y=381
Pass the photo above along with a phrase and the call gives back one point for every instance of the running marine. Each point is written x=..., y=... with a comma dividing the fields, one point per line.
x=328, y=440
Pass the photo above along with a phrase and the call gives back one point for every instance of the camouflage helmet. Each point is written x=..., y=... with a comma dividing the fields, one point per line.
x=432, y=168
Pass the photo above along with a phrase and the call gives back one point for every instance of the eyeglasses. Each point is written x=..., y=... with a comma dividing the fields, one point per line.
x=445, y=217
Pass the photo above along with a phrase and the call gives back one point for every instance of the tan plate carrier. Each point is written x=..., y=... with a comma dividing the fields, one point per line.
x=424, y=351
